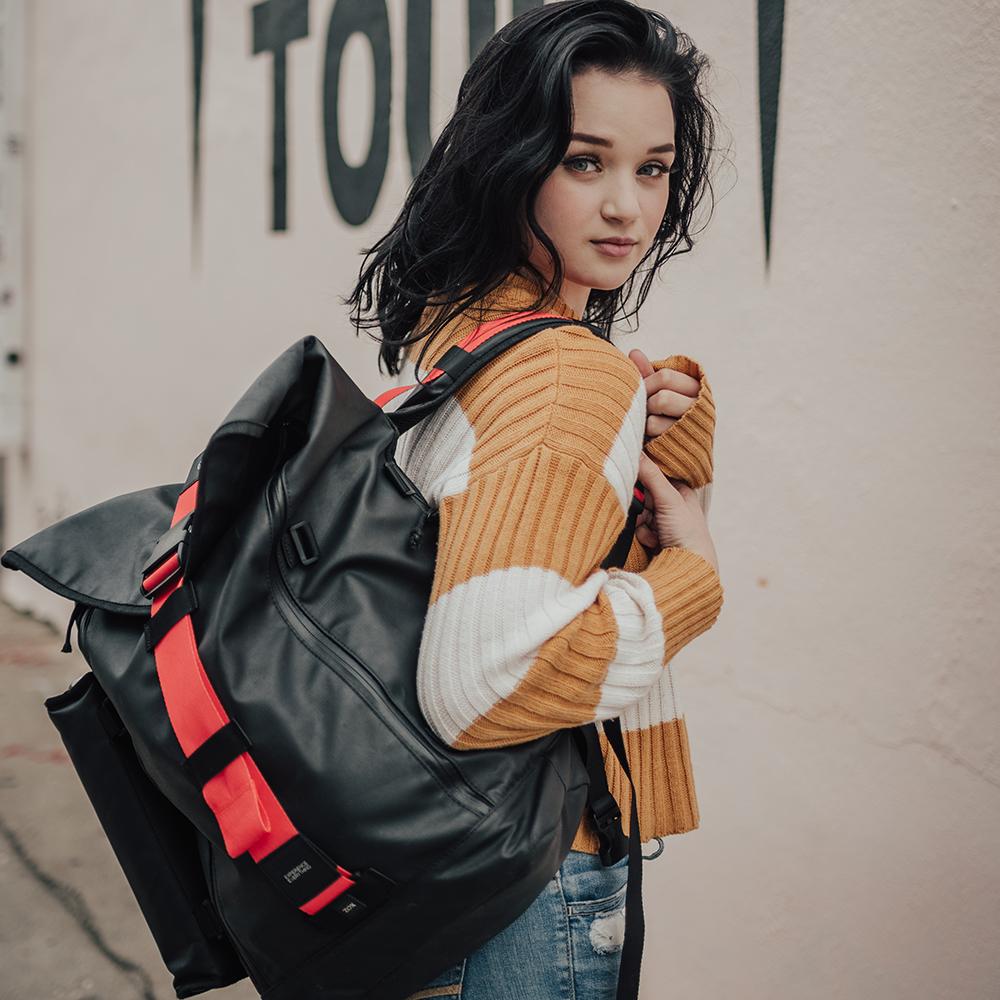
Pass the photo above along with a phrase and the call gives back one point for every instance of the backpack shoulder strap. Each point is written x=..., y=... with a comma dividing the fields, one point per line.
x=460, y=363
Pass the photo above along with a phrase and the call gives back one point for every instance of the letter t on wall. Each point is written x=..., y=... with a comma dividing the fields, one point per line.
x=277, y=23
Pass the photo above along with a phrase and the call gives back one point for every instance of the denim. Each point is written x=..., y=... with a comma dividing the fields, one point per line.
x=566, y=946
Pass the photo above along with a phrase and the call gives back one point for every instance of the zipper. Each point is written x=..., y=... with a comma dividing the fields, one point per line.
x=365, y=684
x=408, y=488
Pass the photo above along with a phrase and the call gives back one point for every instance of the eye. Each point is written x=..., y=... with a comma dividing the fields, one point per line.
x=662, y=167
x=569, y=161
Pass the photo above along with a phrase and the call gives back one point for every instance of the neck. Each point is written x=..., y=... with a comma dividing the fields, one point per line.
x=571, y=299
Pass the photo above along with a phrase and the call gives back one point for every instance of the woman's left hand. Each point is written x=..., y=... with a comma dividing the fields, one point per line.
x=669, y=394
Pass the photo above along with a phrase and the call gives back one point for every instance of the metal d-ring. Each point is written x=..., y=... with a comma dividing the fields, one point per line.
x=659, y=850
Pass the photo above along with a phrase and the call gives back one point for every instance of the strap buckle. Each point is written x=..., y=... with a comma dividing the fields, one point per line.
x=166, y=561
x=607, y=818
x=370, y=889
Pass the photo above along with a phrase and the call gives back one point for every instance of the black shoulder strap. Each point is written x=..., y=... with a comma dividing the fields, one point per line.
x=458, y=365
x=604, y=811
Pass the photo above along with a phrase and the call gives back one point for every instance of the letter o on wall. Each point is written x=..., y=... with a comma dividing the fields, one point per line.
x=355, y=189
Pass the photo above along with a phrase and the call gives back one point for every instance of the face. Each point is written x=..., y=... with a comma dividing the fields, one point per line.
x=612, y=182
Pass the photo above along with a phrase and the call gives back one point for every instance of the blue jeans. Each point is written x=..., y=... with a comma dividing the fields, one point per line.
x=566, y=946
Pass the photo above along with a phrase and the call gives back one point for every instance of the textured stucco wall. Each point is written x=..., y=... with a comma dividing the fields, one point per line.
x=844, y=711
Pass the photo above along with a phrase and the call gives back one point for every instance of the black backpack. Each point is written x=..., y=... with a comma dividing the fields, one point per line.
x=250, y=735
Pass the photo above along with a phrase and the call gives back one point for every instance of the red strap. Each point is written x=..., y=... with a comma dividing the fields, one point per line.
x=469, y=342
x=249, y=815
x=390, y=394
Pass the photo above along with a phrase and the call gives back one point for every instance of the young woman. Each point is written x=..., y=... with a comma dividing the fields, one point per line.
x=571, y=167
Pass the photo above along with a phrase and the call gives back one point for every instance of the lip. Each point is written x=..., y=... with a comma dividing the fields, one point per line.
x=614, y=248
x=617, y=240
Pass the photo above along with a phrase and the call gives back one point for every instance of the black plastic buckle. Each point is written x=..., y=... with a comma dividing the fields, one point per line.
x=301, y=871
x=371, y=888
x=170, y=542
x=607, y=818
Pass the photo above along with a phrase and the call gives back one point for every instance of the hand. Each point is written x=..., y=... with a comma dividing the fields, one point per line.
x=669, y=394
x=672, y=516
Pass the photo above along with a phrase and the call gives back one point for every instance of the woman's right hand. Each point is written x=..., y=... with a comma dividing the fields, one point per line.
x=673, y=515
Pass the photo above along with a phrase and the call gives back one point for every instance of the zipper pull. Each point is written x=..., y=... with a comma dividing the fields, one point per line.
x=78, y=610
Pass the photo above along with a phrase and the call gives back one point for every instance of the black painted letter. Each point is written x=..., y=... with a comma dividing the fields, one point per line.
x=276, y=23
x=355, y=189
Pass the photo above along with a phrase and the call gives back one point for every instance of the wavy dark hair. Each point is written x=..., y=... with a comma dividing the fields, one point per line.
x=456, y=237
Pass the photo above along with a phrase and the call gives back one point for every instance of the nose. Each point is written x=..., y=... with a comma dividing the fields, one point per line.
x=621, y=201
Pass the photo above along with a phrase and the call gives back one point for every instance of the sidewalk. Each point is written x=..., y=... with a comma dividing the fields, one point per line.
x=69, y=925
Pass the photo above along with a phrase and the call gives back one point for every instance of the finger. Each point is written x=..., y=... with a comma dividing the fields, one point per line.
x=641, y=362
x=657, y=425
x=670, y=378
x=647, y=537
x=663, y=492
x=667, y=403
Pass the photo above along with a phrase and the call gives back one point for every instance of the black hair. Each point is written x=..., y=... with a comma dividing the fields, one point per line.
x=459, y=232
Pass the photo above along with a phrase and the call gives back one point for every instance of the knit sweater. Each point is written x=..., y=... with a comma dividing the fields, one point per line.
x=531, y=466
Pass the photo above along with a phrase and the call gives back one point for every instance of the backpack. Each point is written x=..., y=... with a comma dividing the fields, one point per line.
x=249, y=733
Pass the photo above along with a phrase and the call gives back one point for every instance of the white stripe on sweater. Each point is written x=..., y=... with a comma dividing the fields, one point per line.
x=658, y=705
x=481, y=638
x=621, y=467
x=436, y=452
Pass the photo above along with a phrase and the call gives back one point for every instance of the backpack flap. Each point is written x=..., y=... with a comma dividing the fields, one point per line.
x=95, y=557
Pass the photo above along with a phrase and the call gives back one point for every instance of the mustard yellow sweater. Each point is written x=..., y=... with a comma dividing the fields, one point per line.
x=531, y=466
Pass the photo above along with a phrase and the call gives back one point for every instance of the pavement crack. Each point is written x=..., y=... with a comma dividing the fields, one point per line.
x=76, y=906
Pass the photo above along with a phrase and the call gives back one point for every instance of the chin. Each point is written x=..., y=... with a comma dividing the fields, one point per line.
x=606, y=281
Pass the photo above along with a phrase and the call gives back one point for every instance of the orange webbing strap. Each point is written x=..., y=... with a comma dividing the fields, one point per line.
x=249, y=815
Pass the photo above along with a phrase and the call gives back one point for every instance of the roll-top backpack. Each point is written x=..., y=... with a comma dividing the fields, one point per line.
x=249, y=733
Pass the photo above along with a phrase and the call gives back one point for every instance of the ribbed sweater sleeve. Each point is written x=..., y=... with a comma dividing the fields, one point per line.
x=525, y=633
x=684, y=450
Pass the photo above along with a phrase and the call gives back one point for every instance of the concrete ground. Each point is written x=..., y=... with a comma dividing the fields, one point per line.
x=69, y=925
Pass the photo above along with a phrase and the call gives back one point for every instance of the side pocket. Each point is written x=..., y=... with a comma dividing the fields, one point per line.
x=598, y=907
x=155, y=844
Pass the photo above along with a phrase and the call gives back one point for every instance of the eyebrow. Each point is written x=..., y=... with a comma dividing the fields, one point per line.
x=596, y=140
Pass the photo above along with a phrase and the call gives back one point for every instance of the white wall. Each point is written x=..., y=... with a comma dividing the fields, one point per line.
x=844, y=711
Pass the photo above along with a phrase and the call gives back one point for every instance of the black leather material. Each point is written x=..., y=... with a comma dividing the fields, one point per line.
x=317, y=664
x=155, y=844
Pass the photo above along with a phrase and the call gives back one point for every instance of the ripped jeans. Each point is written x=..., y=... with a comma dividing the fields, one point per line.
x=566, y=946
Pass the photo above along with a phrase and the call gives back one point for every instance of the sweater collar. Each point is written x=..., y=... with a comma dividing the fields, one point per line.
x=520, y=290
x=516, y=293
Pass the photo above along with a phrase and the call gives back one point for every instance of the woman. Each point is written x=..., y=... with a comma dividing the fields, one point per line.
x=575, y=157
